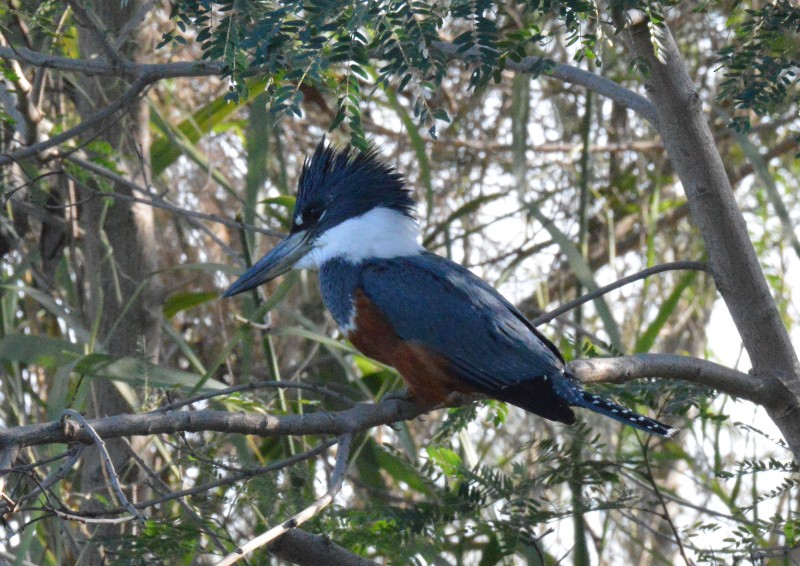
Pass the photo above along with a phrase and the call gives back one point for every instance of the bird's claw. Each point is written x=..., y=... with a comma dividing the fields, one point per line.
x=403, y=394
x=459, y=399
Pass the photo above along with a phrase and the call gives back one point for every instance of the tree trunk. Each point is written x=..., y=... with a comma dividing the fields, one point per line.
x=119, y=248
x=732, y=259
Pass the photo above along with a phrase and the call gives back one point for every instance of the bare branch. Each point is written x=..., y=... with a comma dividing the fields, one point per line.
x=109, y=465
x=667, y=516
x=334, y=486
x=73, y=455
x=362, y=416
x=367, y=415
x=150, y=72
x=569, y=74
x=670, y=366
x=157, y=202
x=644, y=274
x=123, y=101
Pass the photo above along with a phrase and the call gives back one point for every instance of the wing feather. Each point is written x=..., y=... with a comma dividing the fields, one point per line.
x=433, y=301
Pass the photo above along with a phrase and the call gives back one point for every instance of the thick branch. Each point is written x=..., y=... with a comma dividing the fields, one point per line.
x=306, y=549
x=683, y=368
x=360, y=417
x=367, y=415
x=733, y=261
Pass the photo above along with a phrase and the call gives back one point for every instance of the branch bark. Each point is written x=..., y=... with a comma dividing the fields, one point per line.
x=569, y=74
x=680, y=368
x=367, y=415
x=732, y=259
x=150, y=72
x=306, y=549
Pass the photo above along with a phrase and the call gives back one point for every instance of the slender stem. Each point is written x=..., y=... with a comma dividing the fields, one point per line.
x=672, y=266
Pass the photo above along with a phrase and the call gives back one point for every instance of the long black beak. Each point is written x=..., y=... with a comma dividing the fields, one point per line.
x=277, y=262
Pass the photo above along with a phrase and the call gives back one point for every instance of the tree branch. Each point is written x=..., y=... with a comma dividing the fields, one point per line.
x=733, y=261
x=362, y=416
x=151, y=72
x=644, y=274
x=670, y=366
x=367, y=415
x=306, y=549
x=569, y=74
x=107, y=463
x=123, y=101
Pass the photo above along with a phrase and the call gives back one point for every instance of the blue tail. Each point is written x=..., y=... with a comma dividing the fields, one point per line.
x=573, y=394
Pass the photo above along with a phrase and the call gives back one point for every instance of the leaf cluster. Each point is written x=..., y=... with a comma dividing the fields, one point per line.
x=763, y=60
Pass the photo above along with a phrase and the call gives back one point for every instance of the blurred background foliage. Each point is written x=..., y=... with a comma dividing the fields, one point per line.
x=525, y=179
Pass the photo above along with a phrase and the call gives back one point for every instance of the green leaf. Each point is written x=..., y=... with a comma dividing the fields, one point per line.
x=183, y=301
x=72, y=322
x=492, y=552
x=401, y=470
x=446, y=459
x=164, y=151
x=39, y=350
x=141, y=372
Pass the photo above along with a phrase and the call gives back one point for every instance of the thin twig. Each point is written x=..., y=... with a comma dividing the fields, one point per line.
x=334, y=486
x=156, y=479
x=163, y=204
x=88, y=520
x=159, y=202
x=42, y=486
x=109, y=465
x=234, y=478
x=644, y=274
x=666, y=515
x=127, y=98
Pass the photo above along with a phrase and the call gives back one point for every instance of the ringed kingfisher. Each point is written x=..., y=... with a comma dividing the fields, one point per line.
x=445, y=330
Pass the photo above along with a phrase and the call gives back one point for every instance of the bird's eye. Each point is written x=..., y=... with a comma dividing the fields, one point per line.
x=313, y=213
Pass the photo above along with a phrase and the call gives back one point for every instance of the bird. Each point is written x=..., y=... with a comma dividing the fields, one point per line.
x=446, y=331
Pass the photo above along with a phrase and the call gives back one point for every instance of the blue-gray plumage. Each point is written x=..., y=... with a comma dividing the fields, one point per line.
x=444, y=329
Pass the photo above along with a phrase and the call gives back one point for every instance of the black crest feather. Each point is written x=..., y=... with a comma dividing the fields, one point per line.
x=351, y=182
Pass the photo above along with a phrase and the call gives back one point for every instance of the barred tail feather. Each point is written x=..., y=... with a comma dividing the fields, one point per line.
x=618, y=412
x=567, y=388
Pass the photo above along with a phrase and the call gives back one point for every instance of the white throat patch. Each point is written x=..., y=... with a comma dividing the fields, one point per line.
x=380, y=233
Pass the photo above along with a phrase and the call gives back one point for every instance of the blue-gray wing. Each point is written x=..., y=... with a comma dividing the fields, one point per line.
x=433, y=301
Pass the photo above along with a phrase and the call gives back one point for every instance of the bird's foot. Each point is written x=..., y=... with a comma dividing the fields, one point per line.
x=459, y=399
x=403, y=394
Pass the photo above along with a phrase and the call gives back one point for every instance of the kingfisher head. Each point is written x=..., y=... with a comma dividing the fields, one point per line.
x=350, y=205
